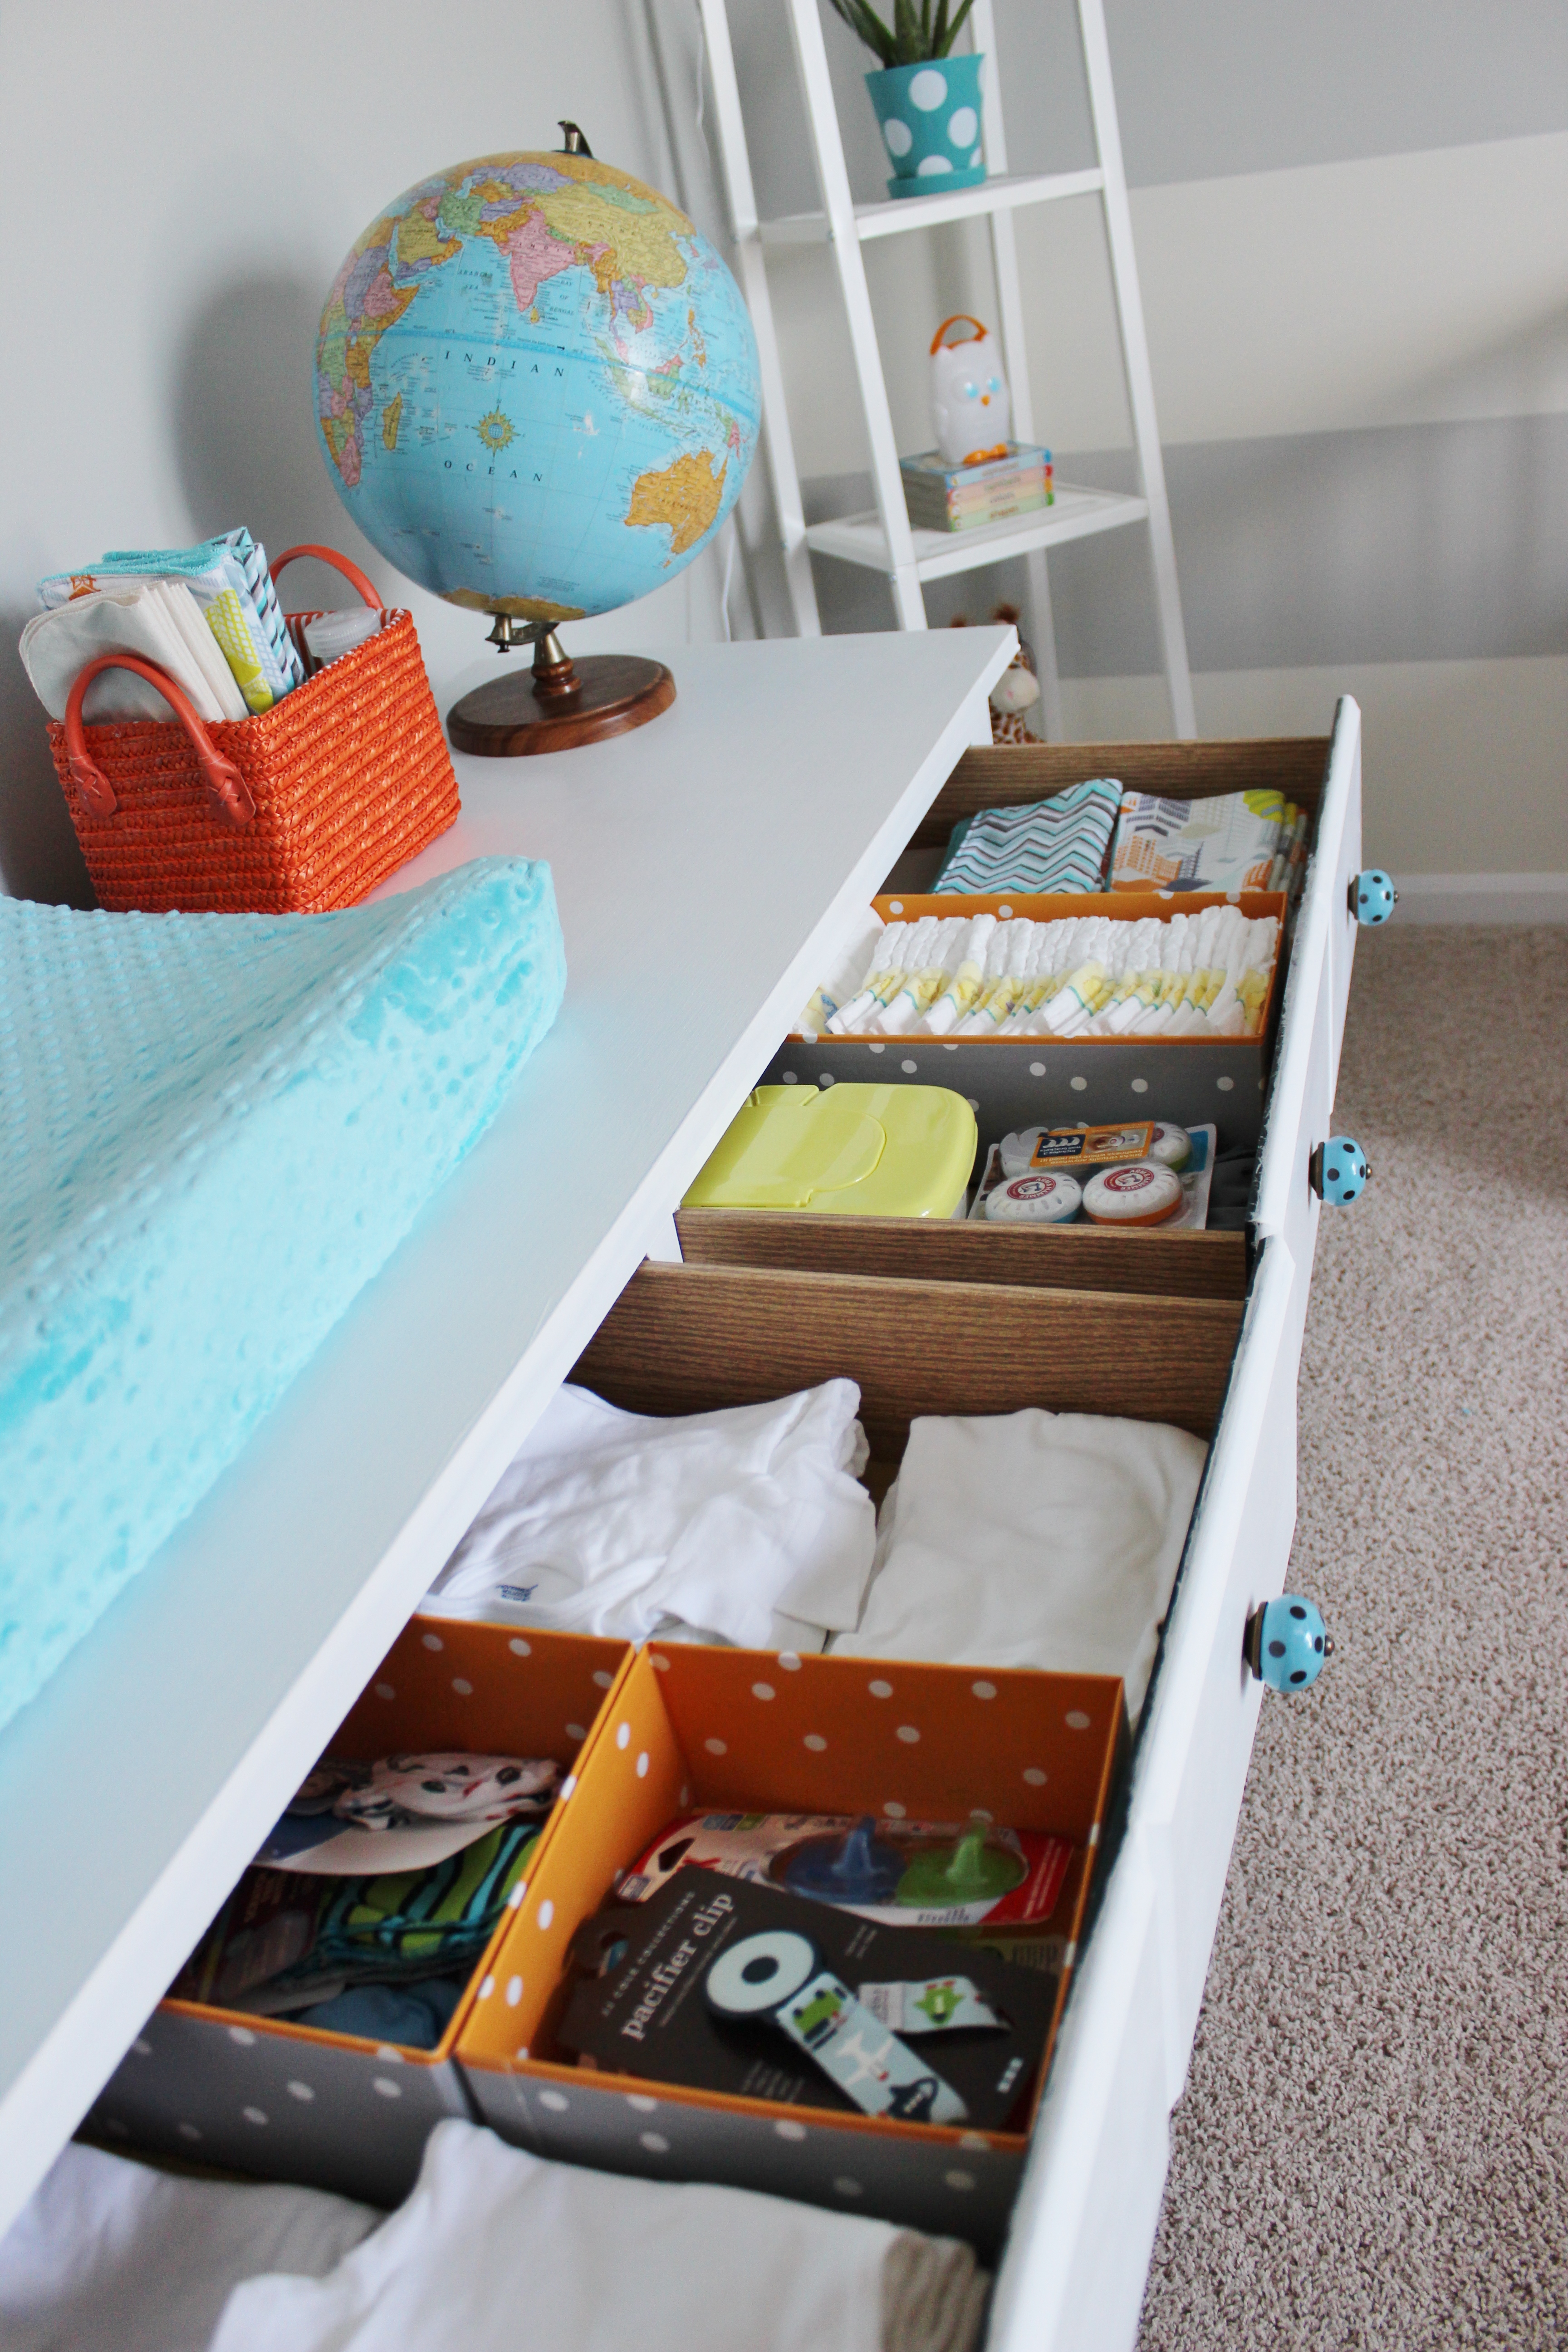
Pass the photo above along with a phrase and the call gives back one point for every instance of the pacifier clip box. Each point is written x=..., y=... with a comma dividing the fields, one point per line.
x=299, y=809
x=775, y=2097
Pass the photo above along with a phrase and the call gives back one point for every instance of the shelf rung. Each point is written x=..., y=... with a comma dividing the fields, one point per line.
x=901, y=214
x=1076, y=514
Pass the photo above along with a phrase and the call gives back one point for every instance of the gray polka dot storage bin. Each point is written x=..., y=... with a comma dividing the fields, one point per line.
x=768, y=1731
x=290, y=2103
x=1018, y=1082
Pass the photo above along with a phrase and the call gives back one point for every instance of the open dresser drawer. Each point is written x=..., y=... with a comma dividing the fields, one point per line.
x=1203, y=1330
x=1083, y=2227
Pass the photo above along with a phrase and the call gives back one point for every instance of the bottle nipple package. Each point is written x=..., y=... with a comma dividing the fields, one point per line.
x=905, y=1874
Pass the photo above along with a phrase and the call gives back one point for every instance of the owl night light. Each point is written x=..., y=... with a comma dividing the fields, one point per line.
x=972, y=410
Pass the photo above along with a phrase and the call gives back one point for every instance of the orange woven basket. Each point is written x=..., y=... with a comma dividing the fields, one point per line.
x=303, y=808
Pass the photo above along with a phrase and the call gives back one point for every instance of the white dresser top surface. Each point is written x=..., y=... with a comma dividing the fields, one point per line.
x=706, y=867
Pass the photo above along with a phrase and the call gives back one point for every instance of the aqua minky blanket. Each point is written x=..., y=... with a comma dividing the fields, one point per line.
x=214, y=1130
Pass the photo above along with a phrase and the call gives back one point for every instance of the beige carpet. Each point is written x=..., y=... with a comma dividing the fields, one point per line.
x=1372, y=2149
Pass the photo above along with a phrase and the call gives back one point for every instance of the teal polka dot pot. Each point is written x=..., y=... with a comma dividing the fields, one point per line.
x=930, y=117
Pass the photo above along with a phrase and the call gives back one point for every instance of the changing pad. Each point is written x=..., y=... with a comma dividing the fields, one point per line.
x=214, y=1130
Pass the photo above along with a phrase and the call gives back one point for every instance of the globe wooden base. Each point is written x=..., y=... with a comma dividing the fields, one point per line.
x=604, y=695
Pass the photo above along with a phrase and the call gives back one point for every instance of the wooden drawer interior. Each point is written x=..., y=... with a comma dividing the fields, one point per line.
x=1007, y=776
x=691, y=1339
x=933, y=1249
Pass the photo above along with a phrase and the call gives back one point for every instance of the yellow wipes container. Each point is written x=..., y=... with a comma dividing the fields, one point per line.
x=877, y=1151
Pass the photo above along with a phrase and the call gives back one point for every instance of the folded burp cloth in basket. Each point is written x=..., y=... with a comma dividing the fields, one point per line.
x=158, y=619
x=330, y=635
x=230, y=580
x=214, y=1130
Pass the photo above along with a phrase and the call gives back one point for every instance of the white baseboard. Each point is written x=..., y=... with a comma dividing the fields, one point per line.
x=1481, y=898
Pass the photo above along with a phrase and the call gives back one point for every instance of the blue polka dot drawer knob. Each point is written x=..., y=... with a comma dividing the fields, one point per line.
x=1373, y=896
x=1287, y=1645
x=927, y=102
x=1338, y=1172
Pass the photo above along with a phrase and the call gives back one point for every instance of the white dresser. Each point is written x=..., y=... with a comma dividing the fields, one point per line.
x=706, y=867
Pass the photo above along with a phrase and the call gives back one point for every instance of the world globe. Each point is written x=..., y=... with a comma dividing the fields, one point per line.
x=536, y=386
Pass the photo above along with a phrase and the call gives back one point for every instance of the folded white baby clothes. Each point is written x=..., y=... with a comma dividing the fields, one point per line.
x=746, y=1524
x=158, y=619
x=1032, y=1539
x=112, y=2256
x=496, y=2249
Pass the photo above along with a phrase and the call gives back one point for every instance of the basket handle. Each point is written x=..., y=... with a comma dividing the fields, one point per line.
x=351, y=572
x=227, y=788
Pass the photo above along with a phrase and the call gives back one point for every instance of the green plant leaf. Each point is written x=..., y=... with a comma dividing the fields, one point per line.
x=915, y=34
x=868, y=26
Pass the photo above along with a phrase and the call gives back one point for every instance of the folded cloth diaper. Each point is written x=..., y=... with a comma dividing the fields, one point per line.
x=717, y=1524
x=112, y=2256
x=496, y=2248
x=214, y=1130
x=1054, y=845
x=1032, y=1539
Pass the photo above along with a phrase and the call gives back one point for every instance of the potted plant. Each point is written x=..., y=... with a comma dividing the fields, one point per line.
x=927, y=100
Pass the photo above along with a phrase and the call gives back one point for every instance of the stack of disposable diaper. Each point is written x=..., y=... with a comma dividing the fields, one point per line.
x=175, y=607
x=962, y=976
x=745, y=1525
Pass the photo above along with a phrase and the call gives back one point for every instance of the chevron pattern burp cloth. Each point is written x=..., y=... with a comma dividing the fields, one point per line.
x=1054, y=845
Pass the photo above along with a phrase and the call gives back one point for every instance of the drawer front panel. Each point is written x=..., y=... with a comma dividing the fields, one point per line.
x=1313, y=1015
x=1341, y=852
x=1084, y=2225
x=1299, y=1103
x=1086, y=2214
x=1188, y=1796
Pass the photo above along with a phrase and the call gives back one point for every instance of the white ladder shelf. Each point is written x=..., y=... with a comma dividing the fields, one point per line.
x=884, y=540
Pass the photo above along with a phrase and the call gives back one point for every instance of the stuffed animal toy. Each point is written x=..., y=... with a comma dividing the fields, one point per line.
x=1016, y=690
x=971, y=408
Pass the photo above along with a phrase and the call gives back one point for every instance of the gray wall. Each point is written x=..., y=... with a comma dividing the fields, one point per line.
x=1351, y=222
x=182, y=181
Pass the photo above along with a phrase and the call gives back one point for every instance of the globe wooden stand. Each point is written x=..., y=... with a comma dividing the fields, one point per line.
x=559, y=704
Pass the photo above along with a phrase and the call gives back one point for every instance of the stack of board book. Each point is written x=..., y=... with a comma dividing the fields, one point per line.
x=940, y=497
